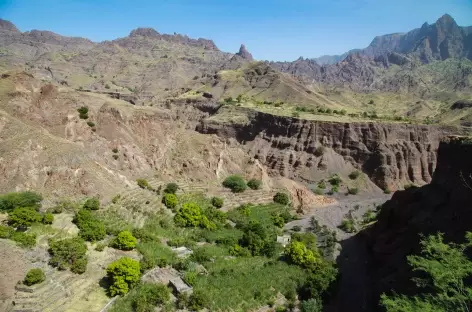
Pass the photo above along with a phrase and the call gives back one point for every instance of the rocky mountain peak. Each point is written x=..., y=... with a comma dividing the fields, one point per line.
x=445, y=20
x=7, y=25
x=244, y=53
x=144, y=32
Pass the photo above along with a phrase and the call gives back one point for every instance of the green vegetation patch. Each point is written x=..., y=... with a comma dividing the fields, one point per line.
x=34, y=276
x=11, y=201
x=245, y=283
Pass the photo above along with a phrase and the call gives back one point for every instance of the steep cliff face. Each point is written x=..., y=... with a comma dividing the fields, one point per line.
x=441, y=206
x=390, y=154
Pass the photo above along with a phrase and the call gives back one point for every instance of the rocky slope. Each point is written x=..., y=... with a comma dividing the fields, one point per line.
x=45, y=146
x=390, y=154
x=441, y=206
x=439, y=41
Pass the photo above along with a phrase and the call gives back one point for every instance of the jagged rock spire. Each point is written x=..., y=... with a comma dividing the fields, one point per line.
x=244, y=53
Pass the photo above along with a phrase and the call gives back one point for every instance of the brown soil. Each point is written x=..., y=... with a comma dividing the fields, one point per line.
x=13, y=267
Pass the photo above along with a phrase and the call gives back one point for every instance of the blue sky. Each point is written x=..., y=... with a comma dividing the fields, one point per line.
x=271, y=29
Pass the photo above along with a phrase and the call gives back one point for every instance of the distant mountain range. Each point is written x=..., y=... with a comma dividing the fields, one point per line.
x=431, y=65
x=439, y=41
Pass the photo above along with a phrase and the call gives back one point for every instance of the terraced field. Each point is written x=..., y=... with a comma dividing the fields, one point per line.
x=136, y=205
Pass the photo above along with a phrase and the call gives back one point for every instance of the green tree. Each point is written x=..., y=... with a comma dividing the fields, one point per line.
x=23, y=217
x=170, y=200
x=258, y=240
x=217, y=202
x=91, y=228
x=124, y=274
x=124, y=241
x=171, y=188
x=300, y=255
x=191, y=215
x=254, y=184
x=92, y=204
x=444, y=270
x=13, y=200
x=65, y=253
x=34, y=276
x=282, y=198
x=239, y=98
x=235, y=183
x=311, y=305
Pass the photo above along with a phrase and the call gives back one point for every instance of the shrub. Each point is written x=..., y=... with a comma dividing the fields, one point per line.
x=254, y=184
x=115, y=157
x=217, y=202
x=354, y=175
x=65, y=253
x=124, y=274
x=171, y=188
x=91, y=124
x=116, y=198
x=371, y=102
x=281, y=198
x=238, y=251
x=100, y=247
x=235, y=183
x=311, y=305
x=23, y=239
x=48, y=218
x=148, y=296
x=198, y=300
x=5, y=231
x=124, y=241
x=83, y=110
x=297, y=228
x=387, y=191
x=229, y=100
x=319, y=151
x=318, y=191
x=334, y=189
x=23, y=217
x=91, y=228
x=335, y=180
x=114, y=150
x=348, y=226
x=353, y=190
x=34, y=276
x=79, y=266
x=142, y=183
x=92, y=204
x=107, y=86
x=170, y=200
x=278, y=221
x=369, y=216
x=322, y=184
x=11, y=201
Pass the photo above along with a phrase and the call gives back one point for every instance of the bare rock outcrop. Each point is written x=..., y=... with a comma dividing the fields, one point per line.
x=244, y=53
x=441, y=206
x=390, y=154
